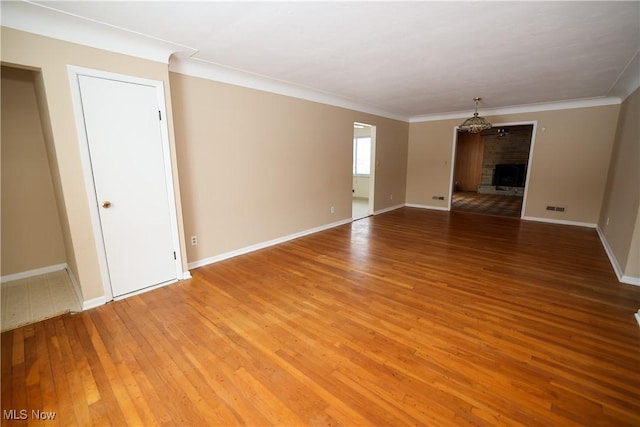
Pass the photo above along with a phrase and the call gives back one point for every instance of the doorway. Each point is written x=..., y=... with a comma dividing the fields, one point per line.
x=123, y=137
x=35, y=281
x=491, y=170
x=363, y=183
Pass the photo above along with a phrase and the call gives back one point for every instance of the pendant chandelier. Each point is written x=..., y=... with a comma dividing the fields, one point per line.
x=475, y=124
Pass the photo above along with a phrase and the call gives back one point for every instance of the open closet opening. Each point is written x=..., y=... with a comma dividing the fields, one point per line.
x=35, y=280
x=491, y=170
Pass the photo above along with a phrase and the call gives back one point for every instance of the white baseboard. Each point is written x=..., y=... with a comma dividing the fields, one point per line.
x=637, y=315
x=389, y=209
x=629, y=280
x=86, y=305
x=266, y=244
x=430, y=207
x=76, y=285
x=96, y=302
x=560, y=221
x=147, y=289
x=34, y=272
x=93, y=303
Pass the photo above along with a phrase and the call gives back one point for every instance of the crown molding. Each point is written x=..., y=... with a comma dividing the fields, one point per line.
x=629, y=79
x=203, y=69
x=45, y=21
x=530, y=108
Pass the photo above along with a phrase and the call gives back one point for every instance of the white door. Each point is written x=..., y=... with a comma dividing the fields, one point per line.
x=123, y=131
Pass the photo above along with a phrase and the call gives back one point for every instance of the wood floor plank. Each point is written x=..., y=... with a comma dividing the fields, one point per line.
x=46, y=383
x=107, y=408
x=57, y=355
x=166, y=355
x=32, y=369
x=409, y=317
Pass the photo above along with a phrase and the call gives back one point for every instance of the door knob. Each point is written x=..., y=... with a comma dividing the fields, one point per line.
x=106, y=204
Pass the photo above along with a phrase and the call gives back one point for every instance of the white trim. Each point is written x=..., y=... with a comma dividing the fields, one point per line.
x=372, y=171
x=430, y=207
x=389, y=209
x=560, y=221
x=49, y=22
x=263, y=245
x=206, y=70
x=629, y=280
x=74, y=72
x=143, y=290
x=628, y=80
x=169, y=177
x=532, y=143
x=637, y=316
x=45, y=21
x=76, y=286
x=452, y=166
x=186, y=275
x=516, y=109
x=31, y=273
x=609, y=251
x=93, y=303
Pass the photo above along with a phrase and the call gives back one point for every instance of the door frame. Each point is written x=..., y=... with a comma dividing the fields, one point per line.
x=534, y=123
x=372, y=169
x=74, y=72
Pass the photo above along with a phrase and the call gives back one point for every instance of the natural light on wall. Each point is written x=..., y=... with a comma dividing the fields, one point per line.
x=362, y=155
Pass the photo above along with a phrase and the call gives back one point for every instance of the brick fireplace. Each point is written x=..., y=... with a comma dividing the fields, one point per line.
x=505, y=159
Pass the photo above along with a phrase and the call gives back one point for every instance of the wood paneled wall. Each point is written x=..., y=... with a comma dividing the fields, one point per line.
x=468, y=166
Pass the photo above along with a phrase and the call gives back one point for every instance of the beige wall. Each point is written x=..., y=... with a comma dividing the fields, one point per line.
x=391, y=162
x=621, y=208
x=31, y=233
x=255, y=166
x=51, y=57
x=240, y=150
x=429, y=162
x=45, y=122
x=569, y=166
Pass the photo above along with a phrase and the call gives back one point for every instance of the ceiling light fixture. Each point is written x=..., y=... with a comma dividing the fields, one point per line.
x=475, y=124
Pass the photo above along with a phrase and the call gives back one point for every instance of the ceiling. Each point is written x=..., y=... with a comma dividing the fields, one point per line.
x=407, y=59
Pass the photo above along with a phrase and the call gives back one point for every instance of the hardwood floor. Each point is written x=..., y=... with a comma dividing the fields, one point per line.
x=411, y=317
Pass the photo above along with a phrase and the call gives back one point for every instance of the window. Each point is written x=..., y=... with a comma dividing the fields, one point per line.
x=362, y=155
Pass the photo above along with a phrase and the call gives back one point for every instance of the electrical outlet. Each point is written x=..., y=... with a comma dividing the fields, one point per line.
x=332, y=210
x=194, y=240
x=390, y=196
